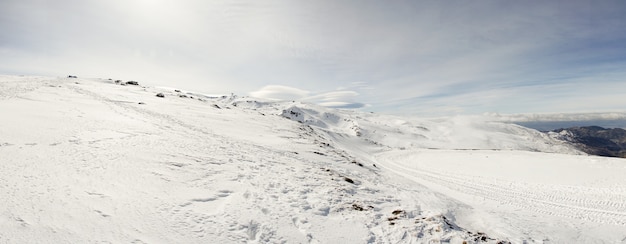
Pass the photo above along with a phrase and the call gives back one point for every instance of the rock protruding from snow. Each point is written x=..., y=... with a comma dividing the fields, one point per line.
x=324, y=119
x=182, y=171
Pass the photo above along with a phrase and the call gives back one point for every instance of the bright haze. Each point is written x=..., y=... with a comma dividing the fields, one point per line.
x=408, y=57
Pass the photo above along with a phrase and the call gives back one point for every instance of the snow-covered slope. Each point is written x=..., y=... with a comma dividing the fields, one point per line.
x=461, y=132
x=87, y=160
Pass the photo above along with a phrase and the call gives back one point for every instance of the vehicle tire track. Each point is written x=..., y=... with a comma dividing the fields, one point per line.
x=534, y=197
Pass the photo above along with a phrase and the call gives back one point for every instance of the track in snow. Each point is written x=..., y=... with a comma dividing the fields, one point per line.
x=178, y=169
x=597, y=204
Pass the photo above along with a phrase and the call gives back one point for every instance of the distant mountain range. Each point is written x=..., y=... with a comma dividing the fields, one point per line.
x=595, y=140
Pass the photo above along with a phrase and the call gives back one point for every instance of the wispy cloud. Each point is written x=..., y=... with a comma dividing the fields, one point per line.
x=426, y=57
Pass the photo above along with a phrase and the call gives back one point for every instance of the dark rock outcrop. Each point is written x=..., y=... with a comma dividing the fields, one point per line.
x=597, y=140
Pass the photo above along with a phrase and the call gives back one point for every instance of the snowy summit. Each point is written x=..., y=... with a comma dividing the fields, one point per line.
x=94, y=160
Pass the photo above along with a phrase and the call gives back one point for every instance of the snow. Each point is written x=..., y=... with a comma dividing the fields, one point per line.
x=86, y=160
x=584, y=193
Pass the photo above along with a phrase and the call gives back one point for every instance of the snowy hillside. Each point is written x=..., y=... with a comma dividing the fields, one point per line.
x=445, y=133
x=89, y=160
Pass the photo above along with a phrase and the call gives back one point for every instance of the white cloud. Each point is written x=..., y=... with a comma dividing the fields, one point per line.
x=406, y=56
x=335, y=99
x=277, y=92
x=555, y=117
x=344, y=105
x=332, y=96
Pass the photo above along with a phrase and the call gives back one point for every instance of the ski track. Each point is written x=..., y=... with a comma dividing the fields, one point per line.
x=156, y=177
x=563, y=201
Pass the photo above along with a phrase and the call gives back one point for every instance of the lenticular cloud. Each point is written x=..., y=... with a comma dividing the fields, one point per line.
x=334, y=99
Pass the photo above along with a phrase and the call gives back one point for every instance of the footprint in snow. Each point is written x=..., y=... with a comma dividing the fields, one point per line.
x=224, y=193
x=203, y=206
x=102, y=214
x=208, y=199
x=221, y=193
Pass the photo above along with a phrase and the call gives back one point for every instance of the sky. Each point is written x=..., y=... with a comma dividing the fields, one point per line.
x=428, y=58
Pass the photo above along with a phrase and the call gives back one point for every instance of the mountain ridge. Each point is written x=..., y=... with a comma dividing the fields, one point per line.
x=595, y=140
x=89, y=160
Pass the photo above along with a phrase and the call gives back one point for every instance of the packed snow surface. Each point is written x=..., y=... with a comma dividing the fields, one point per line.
x=88, y=160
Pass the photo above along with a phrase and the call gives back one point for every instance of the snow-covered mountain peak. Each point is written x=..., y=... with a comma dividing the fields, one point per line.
x=459, y=132
x=92, y=160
